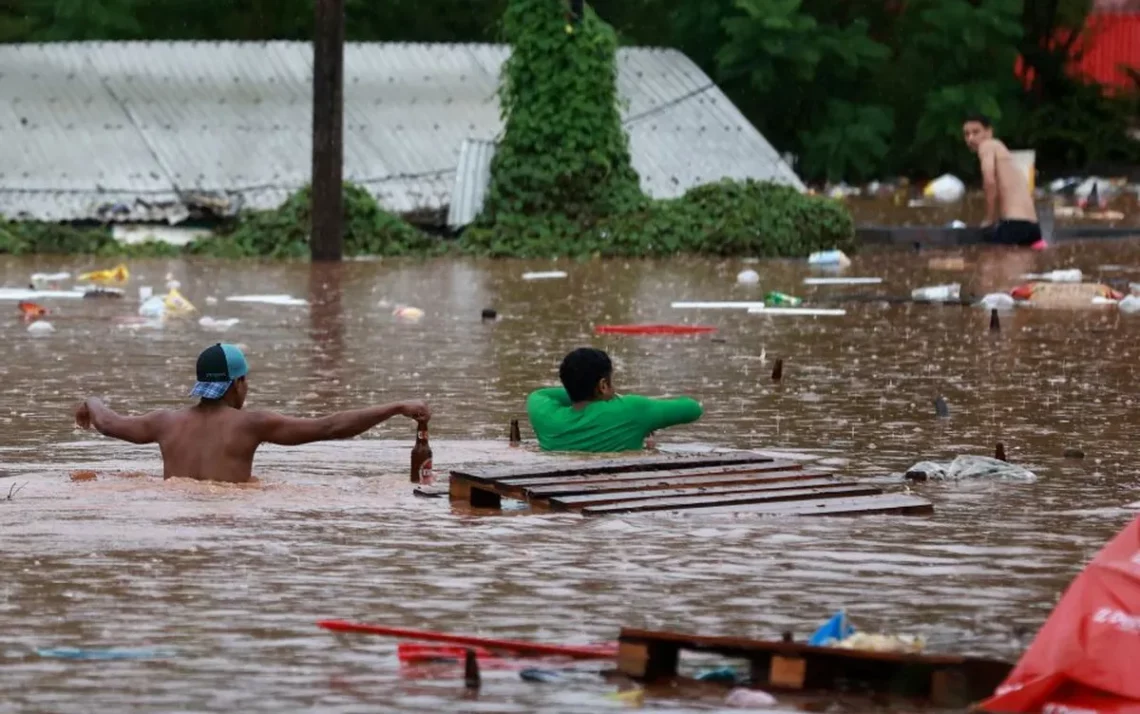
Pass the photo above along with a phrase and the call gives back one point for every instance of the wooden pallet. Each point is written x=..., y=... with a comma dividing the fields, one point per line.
x=942, y=680
x=721, y=483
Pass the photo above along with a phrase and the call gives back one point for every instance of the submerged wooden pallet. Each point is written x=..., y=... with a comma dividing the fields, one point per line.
x=721, y=483
x=942, y=680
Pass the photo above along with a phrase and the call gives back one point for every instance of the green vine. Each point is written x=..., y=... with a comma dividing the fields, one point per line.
x=562, y=183
x=564, y=151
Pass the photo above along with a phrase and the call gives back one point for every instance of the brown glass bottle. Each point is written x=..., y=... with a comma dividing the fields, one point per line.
x=421, y=457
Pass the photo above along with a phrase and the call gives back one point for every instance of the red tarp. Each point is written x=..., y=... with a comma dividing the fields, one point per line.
x=1086, y=658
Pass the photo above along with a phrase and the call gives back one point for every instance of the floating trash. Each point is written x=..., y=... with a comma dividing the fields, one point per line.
x=29, y=294
x=407, y=313
x=829, y=258
x=947, y=188
x=729, y=305
x=217, y=324
x=997, y=301
x=748, y=277
x=806, y=311
x=268, y=299
x=45, y=278
x=117, y=275
x=938, y=293
x=842, y=281
x=41, y=327
x=544, y=275
x=1057, y=276
x=742, y=698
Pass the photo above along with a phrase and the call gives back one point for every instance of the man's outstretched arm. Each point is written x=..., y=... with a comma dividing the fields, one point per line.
x=135, y=429
x=292, y=431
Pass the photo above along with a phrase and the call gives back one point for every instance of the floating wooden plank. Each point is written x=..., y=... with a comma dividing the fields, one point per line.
x=547, y=488
x=609, y=466
x=712, y=484
x=604, y=495
x=887, y=503
x=755, y=468
x=942, y=680
x=610, y=483
x=723, y=501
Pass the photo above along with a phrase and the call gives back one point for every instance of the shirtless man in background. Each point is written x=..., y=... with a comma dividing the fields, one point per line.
x=215, y=440
x=1005, y=187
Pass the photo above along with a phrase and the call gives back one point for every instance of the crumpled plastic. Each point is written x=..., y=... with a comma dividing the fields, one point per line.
x=882, y=643
x=969, y=466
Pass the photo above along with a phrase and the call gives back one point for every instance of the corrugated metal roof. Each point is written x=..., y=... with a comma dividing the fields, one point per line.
x=142, y=130
x=472, y=176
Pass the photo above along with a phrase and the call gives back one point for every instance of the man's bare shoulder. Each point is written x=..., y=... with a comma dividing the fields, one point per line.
x=993, y=147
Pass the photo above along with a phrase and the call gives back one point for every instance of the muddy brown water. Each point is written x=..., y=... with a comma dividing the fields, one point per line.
x=232, y=579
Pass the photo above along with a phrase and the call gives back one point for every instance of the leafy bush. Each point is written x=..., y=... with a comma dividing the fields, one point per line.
x=730, y=218
x=284, y=231
x=26, y=238
x=280, y=233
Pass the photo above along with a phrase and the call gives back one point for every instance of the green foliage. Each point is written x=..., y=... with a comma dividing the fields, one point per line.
x=27, y=238
x=854, y=139
x=280, y=233
x=284, y=231
x=564, y=150
x=562, y=183
x=730, y=218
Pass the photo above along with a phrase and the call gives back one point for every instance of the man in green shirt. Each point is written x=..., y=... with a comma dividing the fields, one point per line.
x=586, y=415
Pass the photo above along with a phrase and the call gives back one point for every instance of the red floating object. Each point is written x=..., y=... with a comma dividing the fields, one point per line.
x=1084, y=656
x=653, y=329
x=414, y=652
x=513, y=646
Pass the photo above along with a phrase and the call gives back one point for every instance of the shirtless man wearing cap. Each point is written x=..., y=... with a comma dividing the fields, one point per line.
x=215, y=440
x=1005, y=185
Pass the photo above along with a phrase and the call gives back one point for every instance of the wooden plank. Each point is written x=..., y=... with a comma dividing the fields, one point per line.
x=598, y=499
x=586, y=466
x=884, y=503
x=941, y=679
x=638, y=475
x=647, y=660
x=459, y=489
x=744, y=646
x=754, y=497
x=678, y=482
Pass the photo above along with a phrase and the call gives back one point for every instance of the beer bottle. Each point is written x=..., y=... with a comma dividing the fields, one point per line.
x=421, y=457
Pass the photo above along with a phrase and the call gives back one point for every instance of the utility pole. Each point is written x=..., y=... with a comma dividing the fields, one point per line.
x=326, y=238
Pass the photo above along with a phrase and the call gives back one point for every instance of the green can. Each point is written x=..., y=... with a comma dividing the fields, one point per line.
x=776, y=298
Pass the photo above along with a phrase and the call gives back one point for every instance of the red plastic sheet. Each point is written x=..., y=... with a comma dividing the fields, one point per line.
x=1086, y=657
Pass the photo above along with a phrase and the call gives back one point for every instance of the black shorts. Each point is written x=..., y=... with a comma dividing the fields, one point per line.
x=1013, y=232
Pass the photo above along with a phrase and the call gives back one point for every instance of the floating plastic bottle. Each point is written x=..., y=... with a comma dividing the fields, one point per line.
x=1073, y=275
x=778, y=298
x=1129, y=304
x=937, y=293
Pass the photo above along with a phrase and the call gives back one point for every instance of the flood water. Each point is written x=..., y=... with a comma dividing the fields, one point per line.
x=231, y=579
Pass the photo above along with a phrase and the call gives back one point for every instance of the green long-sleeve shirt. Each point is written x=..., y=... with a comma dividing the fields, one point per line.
x=619, y=424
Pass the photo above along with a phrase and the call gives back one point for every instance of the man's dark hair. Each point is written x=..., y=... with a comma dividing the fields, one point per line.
x=581, y=371
x=980, y=118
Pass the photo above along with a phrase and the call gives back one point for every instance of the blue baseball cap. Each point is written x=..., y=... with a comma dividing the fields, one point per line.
x=218, y=367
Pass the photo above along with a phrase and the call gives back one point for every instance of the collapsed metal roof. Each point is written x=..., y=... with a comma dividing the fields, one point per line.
x=148, y=131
